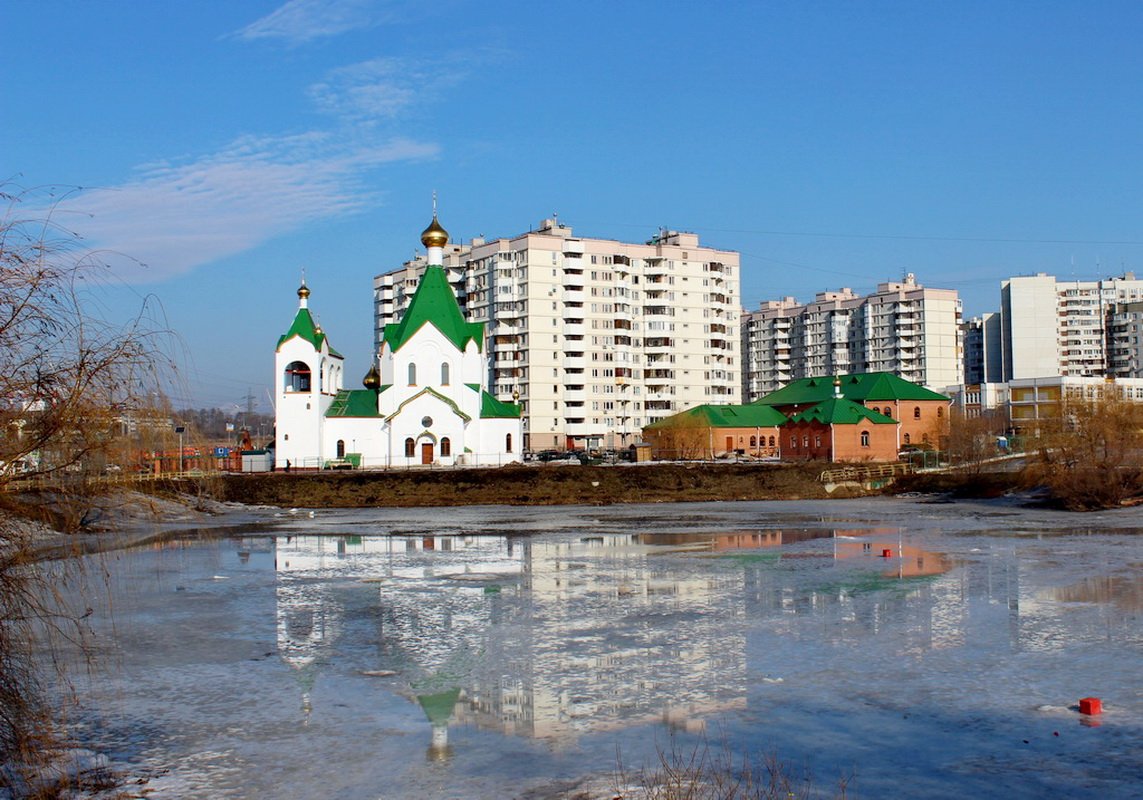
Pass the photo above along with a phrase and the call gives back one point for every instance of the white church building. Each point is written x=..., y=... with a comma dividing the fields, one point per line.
x=424, y=399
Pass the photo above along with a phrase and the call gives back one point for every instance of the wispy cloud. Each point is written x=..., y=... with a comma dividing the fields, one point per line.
x=300, y=21
x=382, y=88
x=175, y=217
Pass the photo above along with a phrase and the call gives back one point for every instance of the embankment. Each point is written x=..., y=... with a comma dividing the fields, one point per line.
x=546, y=485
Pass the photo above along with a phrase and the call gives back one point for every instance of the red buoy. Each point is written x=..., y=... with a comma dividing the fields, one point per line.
x=1091, y=706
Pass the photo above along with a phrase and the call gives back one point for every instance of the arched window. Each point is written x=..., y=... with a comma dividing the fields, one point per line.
x=753, y=441
x=410, y=448
x=888, y=412
x=817, y=441
x=444, y=373
x=865, y=438
x=906, y=438
x=297, y=377
x=794, y=442
x=446, y=445
x=412, y=374
x=771, y=441
x=341, y=448
x=916, y=412
x=508, y=443
x=806, y=441
x=940, y=412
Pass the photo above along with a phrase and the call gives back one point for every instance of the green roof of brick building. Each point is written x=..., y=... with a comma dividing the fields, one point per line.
x=840, y=411
x=727, y=416
x=434, y=303
x=862, y=388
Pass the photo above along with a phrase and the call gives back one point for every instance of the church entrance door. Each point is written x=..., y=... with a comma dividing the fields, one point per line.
x=426, y=452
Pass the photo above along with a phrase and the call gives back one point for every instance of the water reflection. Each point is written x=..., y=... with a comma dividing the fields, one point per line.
x=556, y=639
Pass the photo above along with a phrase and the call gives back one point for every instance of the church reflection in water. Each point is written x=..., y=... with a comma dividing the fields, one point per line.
x=557, y=639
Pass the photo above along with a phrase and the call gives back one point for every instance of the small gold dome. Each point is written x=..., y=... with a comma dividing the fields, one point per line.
x=372, y=379
x=434, y=235
x=303, y=291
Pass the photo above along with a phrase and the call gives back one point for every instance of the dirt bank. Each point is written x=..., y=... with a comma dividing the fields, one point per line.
x=547, y=485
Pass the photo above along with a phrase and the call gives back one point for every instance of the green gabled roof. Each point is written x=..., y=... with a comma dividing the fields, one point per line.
x=354, y=403
x=491, y=408
x=434, y=303
x=839, y=411
x=305, y=327
x=862, y=387
x=726, y=416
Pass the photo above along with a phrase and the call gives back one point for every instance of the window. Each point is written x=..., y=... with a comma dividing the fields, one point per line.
x=771, y=441
x=794, y=442
x=865, y=438
x=410, y=448
x=753, y=441
x=888, y=412
x=806, y=441
x=297, y=377
x=940, y=412
x=916, y=412
x=508, y=443
x=906, y=438
x=444, y=373
x=817, y=441
x=446, y=445
x=341, y=448
x=412, y=374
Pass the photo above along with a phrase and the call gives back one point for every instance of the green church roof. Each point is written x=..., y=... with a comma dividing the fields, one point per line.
x=305, y=327
x=861, y=388
x=726, y=416
x=840, y=411
x=491, y=408
x=354, y=403
x=434, y=303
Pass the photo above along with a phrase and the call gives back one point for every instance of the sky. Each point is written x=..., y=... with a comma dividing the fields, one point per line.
x=213, y=150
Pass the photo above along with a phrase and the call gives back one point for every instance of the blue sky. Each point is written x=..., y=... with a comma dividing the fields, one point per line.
x=227, y=146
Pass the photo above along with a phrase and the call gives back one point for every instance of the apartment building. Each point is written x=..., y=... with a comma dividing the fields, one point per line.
x=1125, y=340
x=903, y=328
x=1064, y=328
x=596, y=337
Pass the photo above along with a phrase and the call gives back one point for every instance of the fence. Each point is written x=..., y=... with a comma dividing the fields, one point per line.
x=862, y=473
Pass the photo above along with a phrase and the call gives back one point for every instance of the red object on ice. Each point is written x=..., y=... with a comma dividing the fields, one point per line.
x=1091, y=706
x=886, y=553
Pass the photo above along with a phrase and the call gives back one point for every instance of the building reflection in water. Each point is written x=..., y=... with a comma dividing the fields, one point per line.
x=557, y=639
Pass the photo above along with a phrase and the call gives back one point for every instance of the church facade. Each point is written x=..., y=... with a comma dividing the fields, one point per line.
x=424, y=399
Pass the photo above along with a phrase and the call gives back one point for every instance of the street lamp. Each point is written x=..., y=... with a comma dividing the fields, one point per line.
x=180, y=430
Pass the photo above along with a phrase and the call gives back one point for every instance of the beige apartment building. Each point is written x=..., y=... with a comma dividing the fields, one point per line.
x=1066, y=328
x=903, y=328
x=596, y=338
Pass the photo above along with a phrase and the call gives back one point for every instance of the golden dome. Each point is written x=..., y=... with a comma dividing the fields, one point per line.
x=372, y=379
x=303, y=291
x=434, y=235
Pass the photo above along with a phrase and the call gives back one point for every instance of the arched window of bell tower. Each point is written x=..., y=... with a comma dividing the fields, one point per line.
x=412, y=374
x=297, y=377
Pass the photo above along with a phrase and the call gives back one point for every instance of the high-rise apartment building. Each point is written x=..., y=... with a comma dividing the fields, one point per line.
x=902, y=328
x=596, y=337
x=1065, y=328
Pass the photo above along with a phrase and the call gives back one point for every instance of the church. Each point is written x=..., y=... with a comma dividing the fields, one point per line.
x=424, y=399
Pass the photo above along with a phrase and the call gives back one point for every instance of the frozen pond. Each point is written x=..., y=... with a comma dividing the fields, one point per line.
x=928, y=650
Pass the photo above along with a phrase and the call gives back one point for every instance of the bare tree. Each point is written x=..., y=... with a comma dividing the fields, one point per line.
x=67, y=374
x=1090, y=455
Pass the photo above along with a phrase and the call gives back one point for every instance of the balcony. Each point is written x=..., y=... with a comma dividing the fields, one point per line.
x=575, y=362
x=575, y=395
x=574, y=295
x=574, y=329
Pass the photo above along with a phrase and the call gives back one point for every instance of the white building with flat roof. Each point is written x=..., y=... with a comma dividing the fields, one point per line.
x=903, y=328
x=1061, y=328
x=597, y=338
